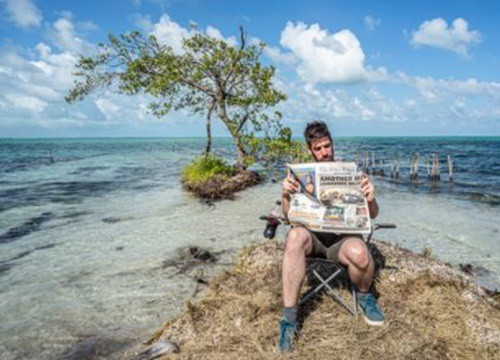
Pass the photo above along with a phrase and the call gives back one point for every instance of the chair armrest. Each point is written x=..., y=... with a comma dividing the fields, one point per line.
x=384, y=226
x=279, y=219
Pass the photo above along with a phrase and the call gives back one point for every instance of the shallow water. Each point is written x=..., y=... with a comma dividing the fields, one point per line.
x=86, y=225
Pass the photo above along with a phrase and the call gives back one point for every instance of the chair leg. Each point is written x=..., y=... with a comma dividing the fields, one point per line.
x=311, y=293
x=332, y=293
x=354, y=299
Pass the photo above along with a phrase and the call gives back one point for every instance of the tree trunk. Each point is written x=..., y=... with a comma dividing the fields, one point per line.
x=209, y=138
x=233, y=130
x=209, y=131
x=240, y=164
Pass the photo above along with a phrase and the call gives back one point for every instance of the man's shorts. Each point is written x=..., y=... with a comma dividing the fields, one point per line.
x=327, y=245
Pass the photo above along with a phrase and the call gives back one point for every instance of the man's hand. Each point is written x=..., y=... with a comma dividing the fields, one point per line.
x=367, y=188
x=290, y=186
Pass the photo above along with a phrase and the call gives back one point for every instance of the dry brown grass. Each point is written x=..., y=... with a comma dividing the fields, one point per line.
x=432, y=312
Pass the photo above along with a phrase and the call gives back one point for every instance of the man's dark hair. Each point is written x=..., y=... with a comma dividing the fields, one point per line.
x=316, y=130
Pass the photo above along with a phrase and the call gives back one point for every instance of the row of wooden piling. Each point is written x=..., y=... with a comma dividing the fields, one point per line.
x=431, y=164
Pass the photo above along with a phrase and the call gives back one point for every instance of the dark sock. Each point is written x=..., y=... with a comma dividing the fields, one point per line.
x=290, y=313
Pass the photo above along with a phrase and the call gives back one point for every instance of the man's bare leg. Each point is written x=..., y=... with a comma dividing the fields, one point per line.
x=360, y=265
x=297, y=247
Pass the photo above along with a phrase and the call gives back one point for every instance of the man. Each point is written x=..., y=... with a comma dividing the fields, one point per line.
x=350, y=250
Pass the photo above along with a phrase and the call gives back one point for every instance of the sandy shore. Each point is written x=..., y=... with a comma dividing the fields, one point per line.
x=433, y=311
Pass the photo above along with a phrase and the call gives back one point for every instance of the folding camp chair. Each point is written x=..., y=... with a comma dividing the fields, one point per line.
x=324, y=271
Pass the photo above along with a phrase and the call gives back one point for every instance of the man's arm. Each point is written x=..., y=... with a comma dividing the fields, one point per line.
x=290, y=186
x=373, y=208
x=368, y=190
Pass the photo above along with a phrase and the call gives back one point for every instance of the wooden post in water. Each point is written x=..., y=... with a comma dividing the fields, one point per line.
x=51, y=156
x=392, y=165
x=437, y=167
x=433, y=171
x=397, y=166
x=381, y=168
x=435, y=176
x=428, y=165
x=373, y=163
x=450, y=168
x=415, y=166
x=411, y=166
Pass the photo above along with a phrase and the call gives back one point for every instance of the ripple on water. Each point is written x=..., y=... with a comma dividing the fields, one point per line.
x=70, y=192
x=26, y=228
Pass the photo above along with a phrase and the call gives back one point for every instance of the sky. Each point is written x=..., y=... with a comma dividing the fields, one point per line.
x=367, y=68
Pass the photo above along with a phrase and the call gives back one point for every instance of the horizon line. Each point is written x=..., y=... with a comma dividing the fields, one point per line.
x=229, y=137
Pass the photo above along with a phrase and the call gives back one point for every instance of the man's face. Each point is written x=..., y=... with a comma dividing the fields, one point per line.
x=322, y=149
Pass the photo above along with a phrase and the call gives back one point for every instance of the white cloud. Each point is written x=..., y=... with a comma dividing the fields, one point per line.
x=62, y=34
x=215, y=33
x=42, y=91
x=56, y=69
x=30, y=103
x=458, y=107
x=435, y=89
x=34, y=81
x=24, y=13
x=170, y=33
x=404, y=99
x=324, y=57
x=279, y=56
x=436, y=33
x=309, y=101
x=107, y=107
x=276, y=54
x=34, y=86
x=62, y=121
x=371, y=23
x=31, y=86
x=88, y=26
x=118, y=109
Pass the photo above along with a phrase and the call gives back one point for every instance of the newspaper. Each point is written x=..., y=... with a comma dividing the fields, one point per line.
x=330, y=199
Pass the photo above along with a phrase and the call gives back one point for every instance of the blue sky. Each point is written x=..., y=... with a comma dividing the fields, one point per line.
x=365, y=67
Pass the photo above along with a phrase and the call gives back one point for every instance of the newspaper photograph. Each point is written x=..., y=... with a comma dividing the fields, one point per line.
x=330, y=199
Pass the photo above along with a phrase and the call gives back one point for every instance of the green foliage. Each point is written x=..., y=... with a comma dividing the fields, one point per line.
x=208, y=76
x=204, y=168
x=275, y=147
x=271, y=151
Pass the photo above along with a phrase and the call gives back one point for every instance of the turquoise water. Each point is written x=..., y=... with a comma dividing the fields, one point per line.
x=86, y=226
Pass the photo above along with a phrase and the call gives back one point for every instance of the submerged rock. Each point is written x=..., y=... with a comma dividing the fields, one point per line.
x=159, y=348
x=113, y=219
x=466, y=268
x=202, y=254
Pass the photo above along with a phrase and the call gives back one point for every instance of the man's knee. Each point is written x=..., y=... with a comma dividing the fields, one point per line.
x=298, y=240
x=355, y=251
